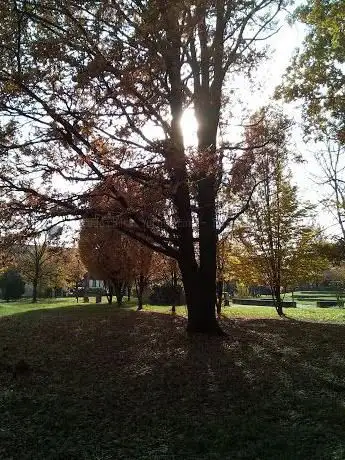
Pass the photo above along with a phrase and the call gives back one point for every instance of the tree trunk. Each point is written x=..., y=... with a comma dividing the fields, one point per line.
x=76, y=291
x=110, y=298
x=278, y=302
x=119, y=291
x=200, y=303
x=110, y=292
x=34, y=290
x=219, y=296
x=175, y=293
x=140, y=284
x=129, y=287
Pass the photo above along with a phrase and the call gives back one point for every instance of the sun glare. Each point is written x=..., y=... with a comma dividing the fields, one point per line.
x=189, y=128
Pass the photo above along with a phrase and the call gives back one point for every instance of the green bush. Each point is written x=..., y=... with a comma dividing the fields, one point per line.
x=12, y=285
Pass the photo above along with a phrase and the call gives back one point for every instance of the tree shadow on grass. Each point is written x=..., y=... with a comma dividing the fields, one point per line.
x=110, y=383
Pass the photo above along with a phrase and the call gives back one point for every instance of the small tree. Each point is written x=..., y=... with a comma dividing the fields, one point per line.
x=336, y=277
x=142, y=259
x=12, y=285
x=41, y=264
x=105, y=252
x=276, y=219
x=307, y=261
x=75, y=270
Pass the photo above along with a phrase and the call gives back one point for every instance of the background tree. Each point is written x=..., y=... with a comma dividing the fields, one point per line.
x=174, y=277
x=165, y=282
x=336, y=278
x=106, y=253
x=143, y=263
x=307, y=261
x=102, y=88
x=330, y=155
x=316, y=75
x=275, y=218
x=40, y=262
x=226, y=262
x=12, y=285
x=74, y=268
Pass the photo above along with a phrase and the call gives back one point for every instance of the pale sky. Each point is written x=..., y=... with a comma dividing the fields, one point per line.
x=270, y=75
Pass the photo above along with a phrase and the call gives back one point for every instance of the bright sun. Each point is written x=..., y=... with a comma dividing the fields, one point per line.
x=189, y=128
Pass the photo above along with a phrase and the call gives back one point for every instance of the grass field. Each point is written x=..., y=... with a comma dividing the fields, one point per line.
x=109, y=383
x=306, y=311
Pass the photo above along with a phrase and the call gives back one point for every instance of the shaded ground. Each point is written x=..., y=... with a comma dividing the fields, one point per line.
x=116, y=384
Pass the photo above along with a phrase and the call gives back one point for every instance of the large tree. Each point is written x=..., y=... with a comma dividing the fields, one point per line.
x=96, y=90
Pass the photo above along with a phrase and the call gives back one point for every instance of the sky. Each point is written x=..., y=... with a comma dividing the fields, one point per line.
x=283, y=45
x=306, y=175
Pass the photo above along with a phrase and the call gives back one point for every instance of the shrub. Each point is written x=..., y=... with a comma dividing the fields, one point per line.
x=12, y=285
x=165, y=294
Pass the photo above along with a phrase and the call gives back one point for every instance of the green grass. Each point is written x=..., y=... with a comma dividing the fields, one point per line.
x=26, y=305
x=304, y=312
x=111, y=383
x=10, y=308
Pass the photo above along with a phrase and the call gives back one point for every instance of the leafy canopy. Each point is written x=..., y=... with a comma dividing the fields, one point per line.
x=317, y=73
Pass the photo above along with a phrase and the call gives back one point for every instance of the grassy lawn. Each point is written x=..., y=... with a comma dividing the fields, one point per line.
x=110, y=383
x=11, y=308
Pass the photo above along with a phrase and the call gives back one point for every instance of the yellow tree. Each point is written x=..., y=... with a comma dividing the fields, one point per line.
x=74, y=268
x=41, y=263
x=307, y=261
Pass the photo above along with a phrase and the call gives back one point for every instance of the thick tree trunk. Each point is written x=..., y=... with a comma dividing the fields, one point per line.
x=199, y=281
x=202, y=285
x=200, y=303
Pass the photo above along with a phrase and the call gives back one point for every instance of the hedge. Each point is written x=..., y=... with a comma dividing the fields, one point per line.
x=262, y=302
x=329, y=303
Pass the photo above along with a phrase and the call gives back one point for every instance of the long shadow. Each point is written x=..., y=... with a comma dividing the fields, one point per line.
x=111, y=383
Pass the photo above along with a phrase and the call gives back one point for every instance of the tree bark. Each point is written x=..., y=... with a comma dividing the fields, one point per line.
x=110, y=298
x=119, y=291
x=278, y=302
x=175, y=293
x=140, y=285
x=110, y=294
x=219, y=296
x=34, y=290
x=200, y=304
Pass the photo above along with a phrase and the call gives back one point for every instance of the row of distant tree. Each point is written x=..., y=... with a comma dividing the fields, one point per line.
x=43, y=265
x=270, y=245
